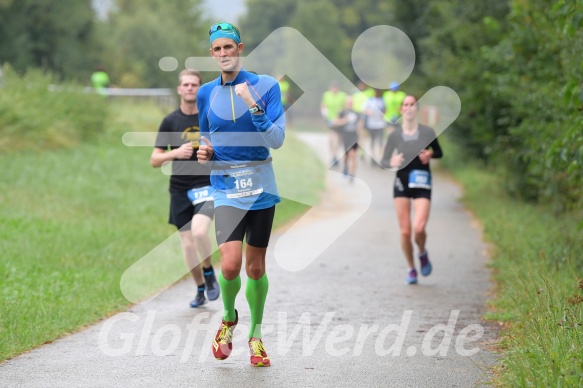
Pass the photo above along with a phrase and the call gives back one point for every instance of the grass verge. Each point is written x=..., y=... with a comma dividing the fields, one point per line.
x=73, y=220
x=537, y=266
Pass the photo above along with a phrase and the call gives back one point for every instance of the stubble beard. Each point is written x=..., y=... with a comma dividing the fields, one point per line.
x=231, y=67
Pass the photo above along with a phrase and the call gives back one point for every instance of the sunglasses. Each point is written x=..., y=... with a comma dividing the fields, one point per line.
x=223, y=26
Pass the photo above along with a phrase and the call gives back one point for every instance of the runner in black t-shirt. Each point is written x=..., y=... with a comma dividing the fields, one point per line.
x=191, y=195
x=347, y=121
x=415, y=145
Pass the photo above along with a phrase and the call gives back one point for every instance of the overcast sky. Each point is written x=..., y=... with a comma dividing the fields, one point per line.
x=225, y=10
x=221, y=10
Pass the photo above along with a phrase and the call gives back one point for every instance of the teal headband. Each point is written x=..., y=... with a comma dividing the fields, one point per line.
x=224, y=30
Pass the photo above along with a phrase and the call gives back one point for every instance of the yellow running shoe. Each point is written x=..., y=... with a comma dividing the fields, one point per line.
x=258, y=354
x=223, y=342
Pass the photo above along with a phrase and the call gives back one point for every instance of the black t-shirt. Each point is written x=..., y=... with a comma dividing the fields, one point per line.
x=410, y=147
x=351, y=122
x=176, y=129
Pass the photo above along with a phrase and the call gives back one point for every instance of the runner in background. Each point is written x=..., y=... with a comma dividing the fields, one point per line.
x=100, y=80
x=286, y=99
x=191, y=196
x=393, y=99
x=347, y=121
x=333, y=102
x=409, y=149
x=359, y=97
x=375, y=124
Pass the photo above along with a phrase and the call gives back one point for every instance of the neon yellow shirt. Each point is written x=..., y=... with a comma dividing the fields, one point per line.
x=334, y=103
x=393, y=101
x=100, y=80
x=284, y=88
x=359, y=99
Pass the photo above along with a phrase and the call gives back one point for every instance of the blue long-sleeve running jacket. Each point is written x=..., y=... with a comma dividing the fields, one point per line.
x=240, y=138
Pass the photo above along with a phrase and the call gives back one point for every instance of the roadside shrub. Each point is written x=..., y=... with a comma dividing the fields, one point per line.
x=37, y=114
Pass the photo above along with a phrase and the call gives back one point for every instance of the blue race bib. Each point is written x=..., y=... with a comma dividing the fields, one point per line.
x=201, y=194
x=420, y=179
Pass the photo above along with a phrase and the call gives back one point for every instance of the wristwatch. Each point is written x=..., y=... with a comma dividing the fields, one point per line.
x=255, y=109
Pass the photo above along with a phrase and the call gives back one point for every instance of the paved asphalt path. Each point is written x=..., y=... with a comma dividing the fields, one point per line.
x=341, y=318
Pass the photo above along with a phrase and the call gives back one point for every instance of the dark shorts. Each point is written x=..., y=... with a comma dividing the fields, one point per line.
x=350, y=140
x=232, y=224
x=401, y=190
x=182, y=210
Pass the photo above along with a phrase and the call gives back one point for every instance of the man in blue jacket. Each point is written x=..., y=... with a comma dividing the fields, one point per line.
x=241, y=118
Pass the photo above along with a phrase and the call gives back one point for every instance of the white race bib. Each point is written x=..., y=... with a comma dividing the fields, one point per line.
x=244, y=182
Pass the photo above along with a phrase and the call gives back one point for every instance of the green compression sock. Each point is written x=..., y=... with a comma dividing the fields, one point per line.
x=229, y=290
x=256, y=293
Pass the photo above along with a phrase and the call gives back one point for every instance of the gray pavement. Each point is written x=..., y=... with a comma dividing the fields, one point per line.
x=341, y=317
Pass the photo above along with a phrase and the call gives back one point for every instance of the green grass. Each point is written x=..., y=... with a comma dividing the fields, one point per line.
x=538, y=272
x=73, y=220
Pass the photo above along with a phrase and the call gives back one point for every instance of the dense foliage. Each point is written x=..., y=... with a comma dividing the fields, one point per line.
x=54, y=35
x=518, y=69
x=67, y=38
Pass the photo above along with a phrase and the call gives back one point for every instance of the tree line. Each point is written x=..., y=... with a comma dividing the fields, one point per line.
x=67, y=38
x=516, y=64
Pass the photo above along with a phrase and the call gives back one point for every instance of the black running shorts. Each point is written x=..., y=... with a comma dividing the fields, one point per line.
x=402, y=190
x=182, y=210
x=231, y=224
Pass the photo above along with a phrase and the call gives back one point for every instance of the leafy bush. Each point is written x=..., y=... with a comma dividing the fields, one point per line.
x=34, y=114
x=517, y=68
x=543, y=152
